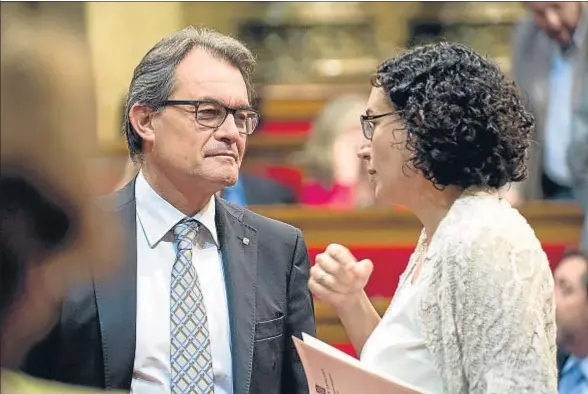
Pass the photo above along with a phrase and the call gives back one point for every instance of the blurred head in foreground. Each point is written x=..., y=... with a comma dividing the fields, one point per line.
x=443, y=119
x=50, y=230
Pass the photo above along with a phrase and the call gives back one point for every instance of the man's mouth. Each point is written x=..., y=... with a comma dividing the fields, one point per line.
x=223, y=154
x=371, y=171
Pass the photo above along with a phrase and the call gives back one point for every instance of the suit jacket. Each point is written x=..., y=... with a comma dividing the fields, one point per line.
x=262, y=191
x=578, y=159
x=562, y=358
x=533, y=53
x=93, y=343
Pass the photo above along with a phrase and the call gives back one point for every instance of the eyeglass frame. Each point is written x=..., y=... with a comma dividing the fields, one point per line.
x=197, y=103
x=367, y=119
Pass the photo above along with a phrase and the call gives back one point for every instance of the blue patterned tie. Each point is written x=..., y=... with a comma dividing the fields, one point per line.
x=191, y=359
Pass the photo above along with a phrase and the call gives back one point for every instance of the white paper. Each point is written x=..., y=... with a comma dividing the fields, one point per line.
x=331, y=371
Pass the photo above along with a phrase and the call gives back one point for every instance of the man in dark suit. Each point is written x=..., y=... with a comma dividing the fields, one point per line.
x=209, y=294
x=571, y=291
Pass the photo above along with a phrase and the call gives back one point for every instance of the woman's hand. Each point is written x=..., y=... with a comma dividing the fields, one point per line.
x=338, y=279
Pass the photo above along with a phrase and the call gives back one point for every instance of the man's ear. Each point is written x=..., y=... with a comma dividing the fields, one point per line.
x=141, y=117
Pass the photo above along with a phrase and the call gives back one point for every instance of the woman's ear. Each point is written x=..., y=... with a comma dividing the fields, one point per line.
x=141, y=118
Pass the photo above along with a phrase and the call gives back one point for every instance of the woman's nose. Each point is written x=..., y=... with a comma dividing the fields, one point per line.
x=364, y=152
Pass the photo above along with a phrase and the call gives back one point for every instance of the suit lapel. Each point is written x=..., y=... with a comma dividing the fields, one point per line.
x=116, y=300
x=239, y=254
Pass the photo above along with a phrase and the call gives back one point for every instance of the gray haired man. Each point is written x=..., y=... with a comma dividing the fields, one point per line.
x=209, y=294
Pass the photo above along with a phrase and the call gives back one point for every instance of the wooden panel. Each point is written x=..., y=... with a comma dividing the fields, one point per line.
x=552, y=221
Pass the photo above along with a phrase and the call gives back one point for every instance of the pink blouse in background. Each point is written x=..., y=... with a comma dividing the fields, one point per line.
x=337, y=196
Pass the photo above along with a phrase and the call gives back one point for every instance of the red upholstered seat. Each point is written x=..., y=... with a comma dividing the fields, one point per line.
x=390, y=262
x=286, y=175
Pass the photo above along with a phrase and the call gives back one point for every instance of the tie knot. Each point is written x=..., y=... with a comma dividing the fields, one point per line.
x=185, y=233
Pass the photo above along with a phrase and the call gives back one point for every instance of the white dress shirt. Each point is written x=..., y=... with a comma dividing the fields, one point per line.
x=156, y=254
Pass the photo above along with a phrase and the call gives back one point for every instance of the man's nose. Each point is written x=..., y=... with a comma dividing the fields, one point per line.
x=228, y=130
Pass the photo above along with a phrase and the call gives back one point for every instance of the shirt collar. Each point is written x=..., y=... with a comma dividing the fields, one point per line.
x=582, y=363
x=158, y=217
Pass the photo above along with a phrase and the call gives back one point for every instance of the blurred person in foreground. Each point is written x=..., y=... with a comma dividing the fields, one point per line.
x=209, y=294
x=550, y=65
x=51, y=233
x=330, y=158
x=474, y=309
x=571, y=296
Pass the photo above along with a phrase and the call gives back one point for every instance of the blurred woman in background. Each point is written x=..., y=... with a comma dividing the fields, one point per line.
x=330, y=160
x=51, y=234
x=474, y=310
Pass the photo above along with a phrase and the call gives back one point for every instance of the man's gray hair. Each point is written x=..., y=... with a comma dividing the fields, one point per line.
x=153, y=80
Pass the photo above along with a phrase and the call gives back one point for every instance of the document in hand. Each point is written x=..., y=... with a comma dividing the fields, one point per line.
x=330, y=371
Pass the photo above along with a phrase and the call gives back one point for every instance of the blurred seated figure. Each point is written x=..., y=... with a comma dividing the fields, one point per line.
x=250, y=189
x=330, y=156
x=51, y=234
x=571, y=296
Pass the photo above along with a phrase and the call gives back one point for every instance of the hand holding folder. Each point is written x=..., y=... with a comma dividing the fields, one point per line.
x=330, y=371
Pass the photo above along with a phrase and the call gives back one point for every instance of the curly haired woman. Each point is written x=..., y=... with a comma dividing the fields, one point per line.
x=474, y=309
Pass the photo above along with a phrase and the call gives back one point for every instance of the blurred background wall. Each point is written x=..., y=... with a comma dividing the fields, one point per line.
x=308, y=53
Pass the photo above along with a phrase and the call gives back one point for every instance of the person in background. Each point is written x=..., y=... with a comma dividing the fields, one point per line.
x=571, y=296
x=474, y=310
x=578, y=160
x=550, y=65
x=252, y=189
x=209, y=294
x=51, y=232
x=248, y=190
x=329, y=157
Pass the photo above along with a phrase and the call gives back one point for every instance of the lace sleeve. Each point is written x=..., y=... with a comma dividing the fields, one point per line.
x=505, y=319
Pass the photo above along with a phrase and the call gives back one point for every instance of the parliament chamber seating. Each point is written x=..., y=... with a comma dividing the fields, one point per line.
x=388, y=237
x=385, y=236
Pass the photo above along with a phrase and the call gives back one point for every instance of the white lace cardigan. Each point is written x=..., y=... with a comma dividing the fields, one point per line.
x=488, y=317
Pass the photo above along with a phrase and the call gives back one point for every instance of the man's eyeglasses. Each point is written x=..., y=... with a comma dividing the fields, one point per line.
x=212, y=114
x=368, y=126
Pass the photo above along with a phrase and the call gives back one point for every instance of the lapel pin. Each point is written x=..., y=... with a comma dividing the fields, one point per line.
x=245, y=241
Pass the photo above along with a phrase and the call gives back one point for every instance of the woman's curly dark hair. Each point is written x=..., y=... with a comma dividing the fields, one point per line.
x=466, y=123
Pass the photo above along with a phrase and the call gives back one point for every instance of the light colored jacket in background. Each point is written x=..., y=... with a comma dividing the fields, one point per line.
x=578, y=159
x=532, y=57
